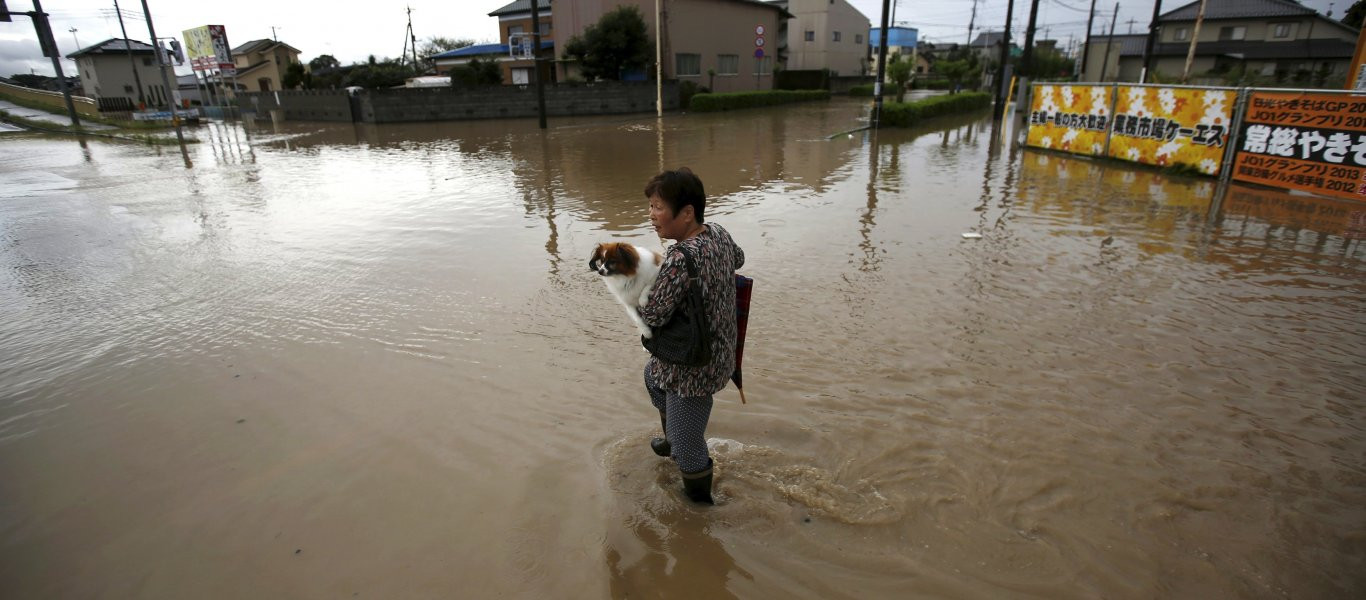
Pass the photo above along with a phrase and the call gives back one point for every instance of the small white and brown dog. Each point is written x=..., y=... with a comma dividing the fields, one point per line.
x=629, y=272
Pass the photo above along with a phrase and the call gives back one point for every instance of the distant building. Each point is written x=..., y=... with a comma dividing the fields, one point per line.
x=261, y=64
x=701, y=37
x=1280, y=40
x=987, y=46
x=107, y=76
x=823, y=34
x=901, y=41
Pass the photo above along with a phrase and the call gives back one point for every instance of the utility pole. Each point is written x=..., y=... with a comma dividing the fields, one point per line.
x=972, y=21
x=536, y=60
x=49, y=47
x=881, y=67
x=1086, y=49
x=1195, y=36
x=132, y=64
x=1003, y=86
x=1026, y=68
x=659, y=61
x=1148, y=44
x=1131, y=22
x=273, y=35
x=1109, y=43
x=73, y=31
x=175, y=120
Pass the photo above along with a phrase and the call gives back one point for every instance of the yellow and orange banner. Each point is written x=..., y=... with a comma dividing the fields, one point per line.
x=1304, y=141
x=1071, y=118
x=1165, y=126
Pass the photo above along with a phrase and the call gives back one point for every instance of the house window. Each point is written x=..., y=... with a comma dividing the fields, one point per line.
x=762, y=65
x=1281, y=30
x=1182, y=34
x=146, y=62
x=837, y=36
x=521, y=76
x=688, y=65
x=1232, y=34
x=545, y=27
x=515, y=29
x=727, y=64
x=858, y=38
x=810, y=36
x=127, y=89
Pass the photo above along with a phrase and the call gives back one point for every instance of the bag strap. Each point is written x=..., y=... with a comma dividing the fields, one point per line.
x=687, y=257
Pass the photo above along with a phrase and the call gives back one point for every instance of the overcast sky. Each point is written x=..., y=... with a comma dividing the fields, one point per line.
x=352, y=31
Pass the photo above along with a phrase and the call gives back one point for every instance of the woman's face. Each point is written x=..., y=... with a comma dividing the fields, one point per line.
x=666, y=224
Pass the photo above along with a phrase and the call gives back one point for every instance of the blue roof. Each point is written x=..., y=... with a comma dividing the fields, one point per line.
x=483, y=49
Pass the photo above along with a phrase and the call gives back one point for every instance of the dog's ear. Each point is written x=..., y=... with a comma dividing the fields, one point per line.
x=595, y=258
x=627, y=256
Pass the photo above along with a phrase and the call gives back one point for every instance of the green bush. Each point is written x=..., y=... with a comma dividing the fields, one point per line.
x=906, y=114
x=734, y=100
x=862, y=91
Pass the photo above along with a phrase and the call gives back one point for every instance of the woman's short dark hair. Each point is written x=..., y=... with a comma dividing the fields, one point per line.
x=679, y=188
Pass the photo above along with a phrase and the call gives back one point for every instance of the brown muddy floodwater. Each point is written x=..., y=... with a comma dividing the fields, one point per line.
x=334, y=361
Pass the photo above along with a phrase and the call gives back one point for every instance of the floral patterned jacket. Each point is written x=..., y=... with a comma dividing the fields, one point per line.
x=717, y=258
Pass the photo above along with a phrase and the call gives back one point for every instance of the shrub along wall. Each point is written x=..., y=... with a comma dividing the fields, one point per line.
x=906, y=114
x=734, y=100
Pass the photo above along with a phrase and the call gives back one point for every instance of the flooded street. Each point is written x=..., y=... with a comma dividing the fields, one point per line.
x=370, y=361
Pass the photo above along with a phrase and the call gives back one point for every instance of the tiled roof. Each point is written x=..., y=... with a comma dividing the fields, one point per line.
x=1239, y=9
x=112, y=45
x=259, y=45
x=1129, y=45
x=521, y=6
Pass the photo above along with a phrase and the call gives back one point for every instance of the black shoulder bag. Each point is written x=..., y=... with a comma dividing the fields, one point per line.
x=685, y=339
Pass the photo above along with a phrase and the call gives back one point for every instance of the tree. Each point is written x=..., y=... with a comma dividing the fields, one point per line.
x=378, y=74
x=618, y=42
x=323, y=62
x=956, y=71
x=1355, y=15
x=900, y=71
x=296, y=77
x=477, y=73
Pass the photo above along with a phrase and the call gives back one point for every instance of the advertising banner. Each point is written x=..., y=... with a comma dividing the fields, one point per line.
x=1304, y=141
x=1164, y=126
x=207, y=49
x=1071, y=118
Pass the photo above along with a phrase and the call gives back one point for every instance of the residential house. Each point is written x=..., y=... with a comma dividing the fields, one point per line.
x=261, y=64
x=823, y=34
x=901, y=41
x=1281, y=40
x=700, y=37
x=108, y=75
x=987, y=46
x=514, y=25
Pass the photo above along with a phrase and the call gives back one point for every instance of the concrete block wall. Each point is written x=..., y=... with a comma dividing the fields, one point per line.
x=300, y=105
x=505, y=102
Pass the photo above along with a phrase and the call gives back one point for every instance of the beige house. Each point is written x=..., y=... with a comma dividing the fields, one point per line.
x=700, y=37
x=108, y=77
x=261, y=64
x=824, y=34
x=1280, y=40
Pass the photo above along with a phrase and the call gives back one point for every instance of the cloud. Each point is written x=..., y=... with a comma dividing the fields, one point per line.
x=19, y=56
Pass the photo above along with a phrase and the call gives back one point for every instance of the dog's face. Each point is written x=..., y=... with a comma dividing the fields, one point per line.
x=614, y=258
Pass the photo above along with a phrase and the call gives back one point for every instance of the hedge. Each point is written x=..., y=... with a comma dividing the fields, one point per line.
x=906, y=114
x=734, y=100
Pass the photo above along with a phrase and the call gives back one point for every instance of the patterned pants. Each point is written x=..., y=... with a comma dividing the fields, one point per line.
x=687, y=418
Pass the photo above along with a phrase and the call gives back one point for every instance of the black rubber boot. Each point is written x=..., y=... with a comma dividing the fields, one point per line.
x=661, y=445
x=697, y=486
